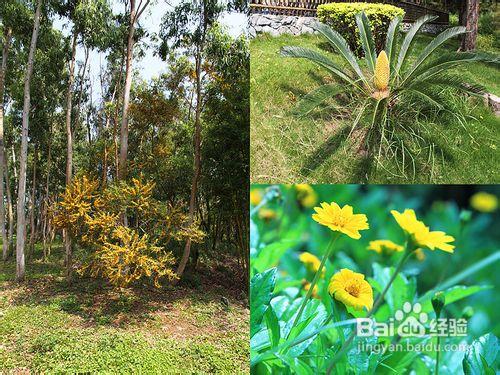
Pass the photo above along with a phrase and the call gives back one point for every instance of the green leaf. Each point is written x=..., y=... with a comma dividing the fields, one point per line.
x=435, y=43
x=481, y=355
x=399, y=292
x=260, y=341
x=407, y=42
x=312, y=318
x=391, y=40
x=366, y=37
x=273, y=327
x=270, y=255
x=296, y=365
x=340, y=44
x=451, y=295
x=261, y=289
x=325, y=62
x=442, y=63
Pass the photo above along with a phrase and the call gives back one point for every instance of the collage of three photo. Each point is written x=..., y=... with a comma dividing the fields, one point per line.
x=263, y=187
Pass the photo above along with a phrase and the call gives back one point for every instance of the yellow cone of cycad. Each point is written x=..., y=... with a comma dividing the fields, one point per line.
x=382, y=71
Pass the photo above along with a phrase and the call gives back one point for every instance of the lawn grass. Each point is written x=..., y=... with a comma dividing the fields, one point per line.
x=49, y=326
x=315, y=149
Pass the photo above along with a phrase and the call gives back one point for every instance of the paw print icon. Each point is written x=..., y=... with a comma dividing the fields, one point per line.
x=409, y=324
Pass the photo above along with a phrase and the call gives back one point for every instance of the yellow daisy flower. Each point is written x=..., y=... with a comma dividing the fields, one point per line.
x=267, y=214
x=484, y=202
x=255, y=196
x=311, y=262
x=307, y=285
x=341, y=219
x=434, y=240
x=351, y=289
x=408, y=220
x=421, y=235
x=306, y=195
x=384, y=247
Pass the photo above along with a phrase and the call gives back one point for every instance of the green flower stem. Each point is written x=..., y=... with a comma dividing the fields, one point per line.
x=381, y=296
x=436, y=371
x=316, y=278
x=343, y=349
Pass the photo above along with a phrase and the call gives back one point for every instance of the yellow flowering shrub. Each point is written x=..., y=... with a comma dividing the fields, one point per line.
x=342, y=17
x=123, y=254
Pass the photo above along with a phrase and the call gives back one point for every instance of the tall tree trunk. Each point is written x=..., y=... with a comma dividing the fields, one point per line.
x=197, y=161
x=5, y=53
x=45, y=228
x=10, y=209
x=69, y=150
x=33, y=205
x=122, y=164
x=115, y=116
x=23, y=158
x=471, y=23
x=14, y=161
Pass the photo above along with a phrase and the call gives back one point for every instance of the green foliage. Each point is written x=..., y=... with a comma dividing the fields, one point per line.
x=187, y=24
x=481, y=356
x=342, y=17
x=92, y=19
x=310, y=346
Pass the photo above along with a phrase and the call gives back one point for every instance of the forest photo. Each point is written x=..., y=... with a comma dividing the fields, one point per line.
x=123, y=183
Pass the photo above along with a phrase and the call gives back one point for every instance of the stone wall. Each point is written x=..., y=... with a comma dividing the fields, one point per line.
x=278, y=24
x=295, y=25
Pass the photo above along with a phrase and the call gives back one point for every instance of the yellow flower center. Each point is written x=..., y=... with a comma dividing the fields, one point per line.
x=339, y=221
x=353, y=290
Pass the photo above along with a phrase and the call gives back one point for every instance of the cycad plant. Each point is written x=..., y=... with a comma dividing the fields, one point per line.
x=383, y=85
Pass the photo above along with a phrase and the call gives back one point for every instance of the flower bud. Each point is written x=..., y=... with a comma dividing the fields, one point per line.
x=438, y=302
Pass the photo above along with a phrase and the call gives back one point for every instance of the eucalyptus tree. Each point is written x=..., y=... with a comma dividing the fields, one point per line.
x=90, y=20
x=6, y=40
x=48, y=92
x=21, y=191
x=135, y=12
x=13, y=16
x=185, y=29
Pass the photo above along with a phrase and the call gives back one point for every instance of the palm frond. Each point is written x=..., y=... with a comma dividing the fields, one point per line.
x=340, y=44
x=325, y=62
x=407, y=42
x=435, y=43
x=391, y=39
x=316, y=97
x=439, y=65
x=366, y=37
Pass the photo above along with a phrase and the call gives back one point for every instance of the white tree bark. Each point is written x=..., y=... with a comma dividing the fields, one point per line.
x=3, y=70
x=134, y=16
x=23, y=158
x=69, y=149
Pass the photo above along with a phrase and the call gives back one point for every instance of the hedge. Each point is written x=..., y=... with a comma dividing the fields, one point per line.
x=341, y=17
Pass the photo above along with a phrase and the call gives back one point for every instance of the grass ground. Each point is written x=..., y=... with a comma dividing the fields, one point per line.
x=48, y=326
x=315, y=149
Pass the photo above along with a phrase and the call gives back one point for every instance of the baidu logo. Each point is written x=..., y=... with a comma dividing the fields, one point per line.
x=411, y=321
